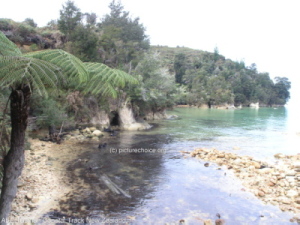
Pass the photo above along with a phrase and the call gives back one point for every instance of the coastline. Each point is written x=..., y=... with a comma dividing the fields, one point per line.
x=45, y=181
x=277, y=184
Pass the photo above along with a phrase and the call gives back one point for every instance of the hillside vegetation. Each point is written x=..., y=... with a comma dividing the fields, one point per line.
x=210, y=78
x=166, y=76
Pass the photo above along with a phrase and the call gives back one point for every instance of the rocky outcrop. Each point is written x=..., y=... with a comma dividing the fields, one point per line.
x=277, y=184
x=127, y=120
x=101, y=118
x=223, y=106
x=157, y=115
x=254, y=105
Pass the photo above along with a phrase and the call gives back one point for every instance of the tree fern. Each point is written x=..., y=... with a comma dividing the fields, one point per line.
x=106, y=80
x=8, y=48
x=37, y=73
x=71, y=66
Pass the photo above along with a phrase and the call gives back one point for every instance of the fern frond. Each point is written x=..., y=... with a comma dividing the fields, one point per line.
x=37, y=73
x=7, y=47
x=106, y=80
x=71, y=66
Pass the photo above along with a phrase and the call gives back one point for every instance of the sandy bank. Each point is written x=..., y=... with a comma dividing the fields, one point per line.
x=43, y=182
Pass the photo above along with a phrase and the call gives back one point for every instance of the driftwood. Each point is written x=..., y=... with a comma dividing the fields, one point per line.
x=112, y=186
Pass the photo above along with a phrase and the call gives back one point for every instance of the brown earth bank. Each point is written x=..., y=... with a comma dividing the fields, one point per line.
x=277, y=183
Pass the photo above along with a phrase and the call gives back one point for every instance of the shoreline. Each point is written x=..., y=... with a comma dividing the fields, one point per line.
x=277, y=184
x=45, y=180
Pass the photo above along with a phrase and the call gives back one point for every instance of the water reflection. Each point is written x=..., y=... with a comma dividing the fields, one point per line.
x=165, y=188
x=100, y=171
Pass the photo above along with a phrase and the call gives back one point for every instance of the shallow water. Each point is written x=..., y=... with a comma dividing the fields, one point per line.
x=164, y=187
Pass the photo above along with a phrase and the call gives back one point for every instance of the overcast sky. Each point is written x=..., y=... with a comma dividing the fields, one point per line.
x=265, y=32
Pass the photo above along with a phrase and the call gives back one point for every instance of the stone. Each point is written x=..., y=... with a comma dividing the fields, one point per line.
x=97, y=133
x=297, y=200
x=87, y=130
x=290, y=173
x=35, y=199
x=92, y=129
x=296, y=164
x=256, y=165
x=208, y=222
x=77, y=132
x=29, y=196
x=220, y=222
x=21, y=183
x=261, y=193
x=292, y=193
x=286, y=201
x=279, y=156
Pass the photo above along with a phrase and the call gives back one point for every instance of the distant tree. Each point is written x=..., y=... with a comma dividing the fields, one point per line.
x=91, y=19
x=281, y=87
x=157, y=85
x=30, y=22
x=70, y=17
x=52, y=25
x=84, y=44
x=216, y=54
x=179, y=67
x=123, y=39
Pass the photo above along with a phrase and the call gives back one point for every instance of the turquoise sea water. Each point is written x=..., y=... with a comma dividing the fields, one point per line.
x=259, y=132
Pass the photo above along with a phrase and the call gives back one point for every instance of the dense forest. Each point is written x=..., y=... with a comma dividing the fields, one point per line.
x=165, y=76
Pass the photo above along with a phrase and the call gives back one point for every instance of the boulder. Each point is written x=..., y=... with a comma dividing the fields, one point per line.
x=261, y=193
x=208, y=222
x=92, y=129
x=97, y=133
x=292, y=193
x=29, y=196
x=256, y=164
x=279, y=156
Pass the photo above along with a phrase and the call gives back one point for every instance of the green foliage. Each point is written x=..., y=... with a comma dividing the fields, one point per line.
x=70, y=17
x=30, y=22
x=106, y=81
x=122, y=39
x=84, y=43
x=49, y=113
x=281, y=88
x=5, y=24
x=25, y=30
x=72, y=67
x=157, y=88
x=39, y=74
x=179, y=67
x=212, y=79
x=8, y=48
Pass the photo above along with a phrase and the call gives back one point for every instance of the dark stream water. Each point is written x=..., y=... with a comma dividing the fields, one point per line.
x=163, y=187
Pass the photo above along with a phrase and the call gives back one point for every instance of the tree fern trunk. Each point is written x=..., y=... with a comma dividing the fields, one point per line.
x=14, y=160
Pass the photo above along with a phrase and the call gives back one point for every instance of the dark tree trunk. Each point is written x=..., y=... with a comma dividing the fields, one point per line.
x=14, y=160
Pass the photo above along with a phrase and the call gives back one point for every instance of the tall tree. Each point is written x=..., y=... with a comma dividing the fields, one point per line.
x=281, y=87
x=123, y=39
x=70, y=17
x=25, y=73
x=179, y=67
